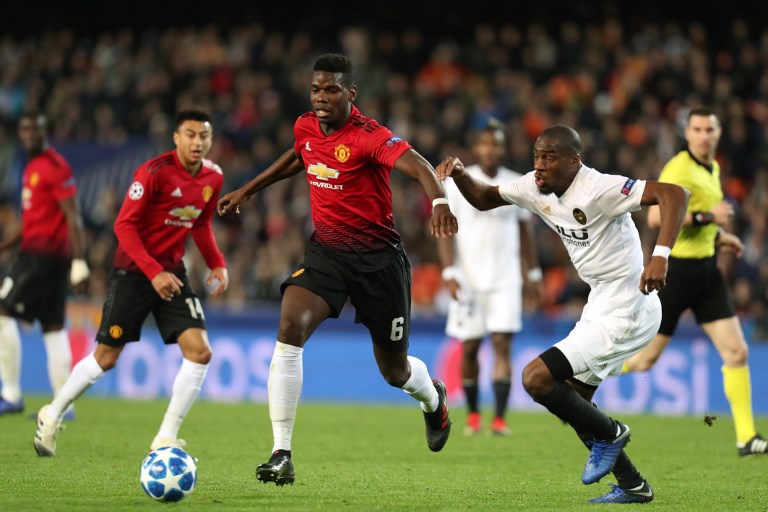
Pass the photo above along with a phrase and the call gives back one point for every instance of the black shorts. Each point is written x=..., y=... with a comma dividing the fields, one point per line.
x=36, y=289
x=131, y=298
x=696, y=284
x=381, y=298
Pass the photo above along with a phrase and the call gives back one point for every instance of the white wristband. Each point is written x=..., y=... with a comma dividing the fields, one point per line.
x=449, y=273
x=439, y=200
x=79, y=271
x=661, y=250
x=535, y=275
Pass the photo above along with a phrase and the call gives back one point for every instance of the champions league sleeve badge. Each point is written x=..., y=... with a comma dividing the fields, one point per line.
x=627, y=186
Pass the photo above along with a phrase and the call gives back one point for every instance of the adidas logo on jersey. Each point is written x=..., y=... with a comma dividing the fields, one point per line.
x=176, y=193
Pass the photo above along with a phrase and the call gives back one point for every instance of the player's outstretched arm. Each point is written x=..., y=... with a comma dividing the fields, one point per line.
x=289, y=164
x=443, y=223
x=479, y=194
x=721, y=214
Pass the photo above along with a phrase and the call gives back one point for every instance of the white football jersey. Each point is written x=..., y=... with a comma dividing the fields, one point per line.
x=593, y=220
x=487, y=245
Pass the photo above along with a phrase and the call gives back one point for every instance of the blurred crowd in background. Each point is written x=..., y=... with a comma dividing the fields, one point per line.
x=110, y=99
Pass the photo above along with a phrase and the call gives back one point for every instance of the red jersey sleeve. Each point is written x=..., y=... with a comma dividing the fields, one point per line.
x=202, y=234
x=385, y=147
x=60, y=179
x=126, y=225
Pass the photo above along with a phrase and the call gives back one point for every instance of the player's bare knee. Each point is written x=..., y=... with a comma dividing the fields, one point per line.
x=291, y=329
x=200, y=356
x=395, y=377
x=642, y=364
x=501, y=346
x=501, y=355
x=535, y=381
x=395, y=381
x=735, y=356
x=469, y=357
x=106, y=356
x=106, y=361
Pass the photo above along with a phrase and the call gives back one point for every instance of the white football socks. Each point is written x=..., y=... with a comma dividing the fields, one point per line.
x=59, y=356
x=83, y=375
x=420, y=387
x=186, y=387
x=286, y=374
x=10, y=359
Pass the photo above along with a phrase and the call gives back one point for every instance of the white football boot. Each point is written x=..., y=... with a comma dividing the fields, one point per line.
x=162, y=442
x=45, y=435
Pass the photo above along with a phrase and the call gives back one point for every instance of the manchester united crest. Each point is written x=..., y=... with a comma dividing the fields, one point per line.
x=580, y=216
x=207, y=193
x=34, y=179
x=341, y=152
x=115, y=331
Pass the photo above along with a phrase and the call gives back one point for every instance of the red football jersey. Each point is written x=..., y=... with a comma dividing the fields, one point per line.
x=348, y=174
x=47, y=180
x=163, y=205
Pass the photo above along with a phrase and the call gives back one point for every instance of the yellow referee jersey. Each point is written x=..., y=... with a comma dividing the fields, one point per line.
x=706, y=192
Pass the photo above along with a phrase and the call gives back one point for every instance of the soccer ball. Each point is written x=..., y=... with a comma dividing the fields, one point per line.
x=168, y=474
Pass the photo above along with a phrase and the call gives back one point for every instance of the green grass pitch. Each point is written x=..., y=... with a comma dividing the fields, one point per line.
x=367, y=458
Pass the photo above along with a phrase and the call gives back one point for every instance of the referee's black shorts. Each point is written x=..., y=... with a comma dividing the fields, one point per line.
x=36, y=288
x=131, y=298
x=381, y=298
x=698, y=284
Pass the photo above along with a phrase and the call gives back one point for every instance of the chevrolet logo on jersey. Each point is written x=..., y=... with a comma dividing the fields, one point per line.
x=189, y=212
x=322, y=171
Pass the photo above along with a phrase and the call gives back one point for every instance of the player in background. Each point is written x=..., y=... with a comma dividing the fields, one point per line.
x=172, y=197
x=591, y=213
x=353, y=253
x=694, y=279
x=482, y=271
x=51, y=258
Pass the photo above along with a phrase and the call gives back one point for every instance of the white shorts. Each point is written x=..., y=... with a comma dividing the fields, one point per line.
x=481, y=313
x=598, y=347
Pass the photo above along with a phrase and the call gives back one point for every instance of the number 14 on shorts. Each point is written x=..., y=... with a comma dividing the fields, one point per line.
x=195, y=308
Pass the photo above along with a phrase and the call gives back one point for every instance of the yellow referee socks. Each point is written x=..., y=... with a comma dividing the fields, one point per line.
x=738, y=391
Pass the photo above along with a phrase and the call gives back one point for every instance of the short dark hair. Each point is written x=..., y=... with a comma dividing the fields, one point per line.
x=701, y=111
x=565, y=137
x=35, y=115
x=492, y=126
x=336, y=63
x=192, y=114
